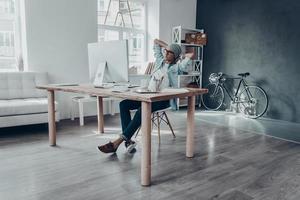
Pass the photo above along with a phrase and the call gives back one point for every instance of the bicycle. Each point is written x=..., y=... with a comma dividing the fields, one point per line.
x=252, y=101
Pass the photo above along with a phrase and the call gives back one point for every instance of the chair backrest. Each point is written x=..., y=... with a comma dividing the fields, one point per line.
x=149, y=68
x=19, y=85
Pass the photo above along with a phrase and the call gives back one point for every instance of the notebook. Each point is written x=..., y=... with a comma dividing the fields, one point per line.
x=145, y=91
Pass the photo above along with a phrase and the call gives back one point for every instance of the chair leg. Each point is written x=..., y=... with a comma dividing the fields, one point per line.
x=137, y=132
x=112, y=107
x=81, y=120
x=72, y=110
x=166, y=116
x=158, y=126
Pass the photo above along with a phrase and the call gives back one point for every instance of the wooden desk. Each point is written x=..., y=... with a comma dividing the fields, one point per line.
x=146, y=100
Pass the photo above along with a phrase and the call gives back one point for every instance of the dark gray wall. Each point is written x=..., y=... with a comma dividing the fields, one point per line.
x=261, y=37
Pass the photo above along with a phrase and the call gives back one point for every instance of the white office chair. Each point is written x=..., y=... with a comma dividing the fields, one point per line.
x=158, y=116
x=85, y=99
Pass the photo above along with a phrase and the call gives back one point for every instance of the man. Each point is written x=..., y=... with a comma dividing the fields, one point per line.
x=165, y=72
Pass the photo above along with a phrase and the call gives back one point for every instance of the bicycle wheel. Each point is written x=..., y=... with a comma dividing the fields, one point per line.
x=214, y=99
x=253, y=102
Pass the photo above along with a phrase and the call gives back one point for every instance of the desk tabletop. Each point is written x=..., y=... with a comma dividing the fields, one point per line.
x=160, y=96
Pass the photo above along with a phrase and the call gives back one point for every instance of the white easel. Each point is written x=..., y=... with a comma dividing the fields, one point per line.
x=120, y=12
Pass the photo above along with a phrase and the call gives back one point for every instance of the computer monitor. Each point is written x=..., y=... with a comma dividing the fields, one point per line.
x=115, y=54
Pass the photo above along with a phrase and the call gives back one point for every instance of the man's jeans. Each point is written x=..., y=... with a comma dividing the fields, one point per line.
x=129, y=126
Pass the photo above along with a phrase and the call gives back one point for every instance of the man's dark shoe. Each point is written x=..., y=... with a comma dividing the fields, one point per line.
x=130, y=146
x=107, y=148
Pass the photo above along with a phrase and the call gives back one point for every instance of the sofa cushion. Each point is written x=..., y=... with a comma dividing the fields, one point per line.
x=23, y=106
x=17, y=85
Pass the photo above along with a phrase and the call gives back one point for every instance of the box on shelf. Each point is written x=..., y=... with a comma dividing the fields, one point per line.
x=196, y=38
x=193, y=84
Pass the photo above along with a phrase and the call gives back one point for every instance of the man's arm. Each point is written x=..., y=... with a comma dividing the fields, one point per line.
x=182, y=66
x=160, y=43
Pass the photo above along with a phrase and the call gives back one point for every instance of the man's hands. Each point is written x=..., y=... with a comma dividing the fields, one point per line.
x=190, y=55
x=161, y=43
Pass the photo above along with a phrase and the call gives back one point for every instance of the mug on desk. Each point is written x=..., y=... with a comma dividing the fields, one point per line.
x=154, y=84
x=144, y=83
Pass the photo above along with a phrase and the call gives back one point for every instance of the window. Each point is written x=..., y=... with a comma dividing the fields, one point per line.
x=100, y=5
x=8, y=46
x=115, y=23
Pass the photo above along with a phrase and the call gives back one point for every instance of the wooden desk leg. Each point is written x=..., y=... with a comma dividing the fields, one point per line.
x=146, y=144
x=190, y=127
x=100, y=114
x=51, y=118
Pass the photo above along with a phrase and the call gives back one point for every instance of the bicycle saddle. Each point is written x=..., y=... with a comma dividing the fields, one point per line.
x=244, y=74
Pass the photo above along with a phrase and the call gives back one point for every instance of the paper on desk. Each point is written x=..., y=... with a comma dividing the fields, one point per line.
x=120, y=89
x=64, y=84
x=174, y=90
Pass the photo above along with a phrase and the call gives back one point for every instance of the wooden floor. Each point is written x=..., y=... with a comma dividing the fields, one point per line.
x=229, y=164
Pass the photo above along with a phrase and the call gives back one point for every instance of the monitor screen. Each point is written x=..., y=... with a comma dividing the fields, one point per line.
x=115, y=54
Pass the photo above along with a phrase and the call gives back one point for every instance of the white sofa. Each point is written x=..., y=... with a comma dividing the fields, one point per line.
x=20, y=102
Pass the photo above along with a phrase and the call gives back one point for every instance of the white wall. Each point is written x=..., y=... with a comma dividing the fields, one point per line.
x=174, y=13
x=57, y=34
x=58, y=31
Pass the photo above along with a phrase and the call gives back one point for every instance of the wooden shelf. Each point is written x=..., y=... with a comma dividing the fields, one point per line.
x=190, y=29
x=178, y=37
x=190, y=45
x=190, y=75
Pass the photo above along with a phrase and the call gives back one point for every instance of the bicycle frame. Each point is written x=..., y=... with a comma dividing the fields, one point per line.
x=234, y=98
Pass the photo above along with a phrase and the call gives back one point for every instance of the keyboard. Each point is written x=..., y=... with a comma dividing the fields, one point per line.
x=144, y=91
x=120, y=88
